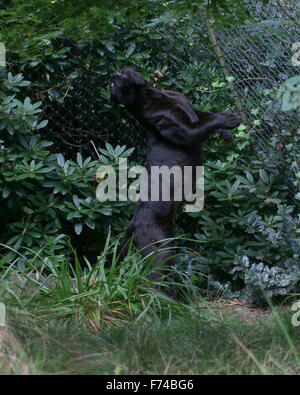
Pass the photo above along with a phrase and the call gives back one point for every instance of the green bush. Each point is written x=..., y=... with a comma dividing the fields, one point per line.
x=44, y=196
x=250, y=227
x=248, y=232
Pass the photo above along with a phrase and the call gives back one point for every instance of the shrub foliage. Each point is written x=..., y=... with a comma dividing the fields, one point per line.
x=247, y=237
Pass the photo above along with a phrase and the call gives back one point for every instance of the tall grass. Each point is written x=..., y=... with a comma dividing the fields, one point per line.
x=105, y=318
x=192, y=342
x=104, y=293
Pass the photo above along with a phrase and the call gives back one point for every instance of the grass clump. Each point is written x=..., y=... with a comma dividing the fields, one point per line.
x=195, y=341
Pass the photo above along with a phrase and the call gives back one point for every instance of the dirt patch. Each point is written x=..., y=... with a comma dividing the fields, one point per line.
x=239, y=308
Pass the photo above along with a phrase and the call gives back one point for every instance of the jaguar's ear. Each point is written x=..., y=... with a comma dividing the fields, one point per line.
x=134, y=77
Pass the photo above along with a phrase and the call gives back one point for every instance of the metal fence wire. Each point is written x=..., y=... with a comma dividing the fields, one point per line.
x=259, y=56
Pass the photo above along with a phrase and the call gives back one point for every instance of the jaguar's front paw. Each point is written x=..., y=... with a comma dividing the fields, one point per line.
x=226, y=135
x=231, y=121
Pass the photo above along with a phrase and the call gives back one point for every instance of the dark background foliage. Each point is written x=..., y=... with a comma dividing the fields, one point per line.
x=247, y=238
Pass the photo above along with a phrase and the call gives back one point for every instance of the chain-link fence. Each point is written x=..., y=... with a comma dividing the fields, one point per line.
x=259, y=56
